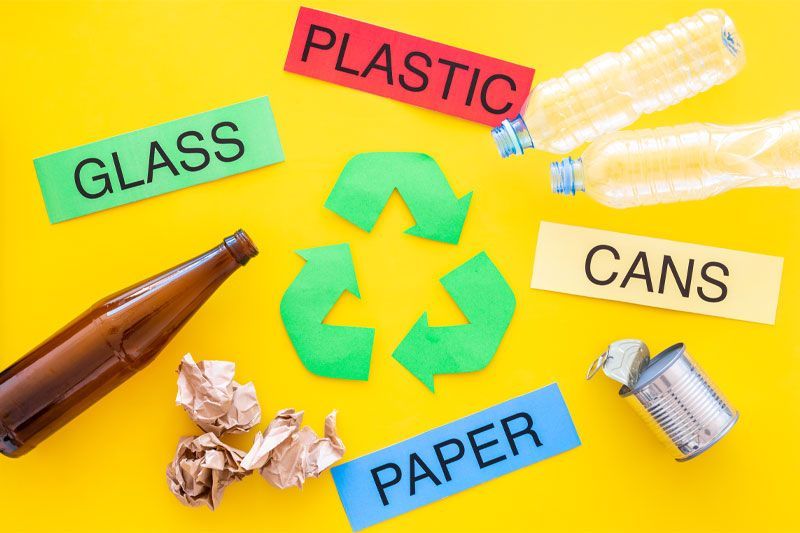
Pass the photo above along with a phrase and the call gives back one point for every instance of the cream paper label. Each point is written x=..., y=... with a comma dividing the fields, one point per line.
x=657, y=272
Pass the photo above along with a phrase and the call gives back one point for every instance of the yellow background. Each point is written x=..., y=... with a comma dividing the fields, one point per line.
x=78, y=72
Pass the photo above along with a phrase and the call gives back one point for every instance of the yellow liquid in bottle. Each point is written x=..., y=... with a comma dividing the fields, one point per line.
x=613, y=90
x=680, y=163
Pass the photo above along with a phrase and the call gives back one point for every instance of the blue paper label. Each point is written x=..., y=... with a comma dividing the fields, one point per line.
x=455, y=457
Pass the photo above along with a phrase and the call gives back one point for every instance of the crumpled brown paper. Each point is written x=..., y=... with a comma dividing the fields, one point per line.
x=203, y=466
x=287, y=454
x=213, y=400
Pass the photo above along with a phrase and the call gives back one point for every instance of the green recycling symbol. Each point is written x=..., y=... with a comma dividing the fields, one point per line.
x=477, y=287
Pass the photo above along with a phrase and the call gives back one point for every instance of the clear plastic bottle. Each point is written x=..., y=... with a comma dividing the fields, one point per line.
x=679, y=163
x=613, y=90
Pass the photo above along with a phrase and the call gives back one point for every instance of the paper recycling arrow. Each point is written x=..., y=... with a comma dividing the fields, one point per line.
x=330, y=351
x=483, y=295
x=368, y=180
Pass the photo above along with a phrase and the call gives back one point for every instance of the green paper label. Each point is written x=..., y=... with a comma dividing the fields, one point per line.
x=159, y=159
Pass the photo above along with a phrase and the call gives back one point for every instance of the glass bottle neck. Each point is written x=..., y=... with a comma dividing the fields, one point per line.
x=241, y=247
x=146, y=316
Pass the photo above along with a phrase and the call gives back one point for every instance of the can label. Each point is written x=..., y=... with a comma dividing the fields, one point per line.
x=657, y=272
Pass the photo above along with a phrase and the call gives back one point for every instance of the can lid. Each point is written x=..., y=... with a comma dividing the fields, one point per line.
x=657, y=366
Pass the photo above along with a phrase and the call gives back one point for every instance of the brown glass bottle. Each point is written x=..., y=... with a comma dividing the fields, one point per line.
x=106, y=345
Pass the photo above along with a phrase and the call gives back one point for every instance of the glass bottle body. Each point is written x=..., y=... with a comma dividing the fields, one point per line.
x=106, y=345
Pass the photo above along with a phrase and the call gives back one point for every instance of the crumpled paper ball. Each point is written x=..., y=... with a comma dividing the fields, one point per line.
x=213, y=400
x=286, y=454
x=203, y=466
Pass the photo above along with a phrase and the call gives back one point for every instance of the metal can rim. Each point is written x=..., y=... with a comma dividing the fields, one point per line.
x=626, y=391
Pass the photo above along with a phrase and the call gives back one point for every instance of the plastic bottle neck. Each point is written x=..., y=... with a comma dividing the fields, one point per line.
x=512, y=137
x=566, y=176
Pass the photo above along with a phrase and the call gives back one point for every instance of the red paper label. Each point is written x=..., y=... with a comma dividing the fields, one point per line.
x=407, y=68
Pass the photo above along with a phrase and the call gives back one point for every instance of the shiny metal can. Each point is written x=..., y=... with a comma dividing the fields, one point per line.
x=680, y=403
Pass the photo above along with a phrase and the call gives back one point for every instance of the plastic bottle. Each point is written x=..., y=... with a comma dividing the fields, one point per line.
x=106, y=345
x=679, y=163
x=613, y=90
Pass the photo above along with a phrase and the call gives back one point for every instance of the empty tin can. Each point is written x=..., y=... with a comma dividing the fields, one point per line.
x=680, y=403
